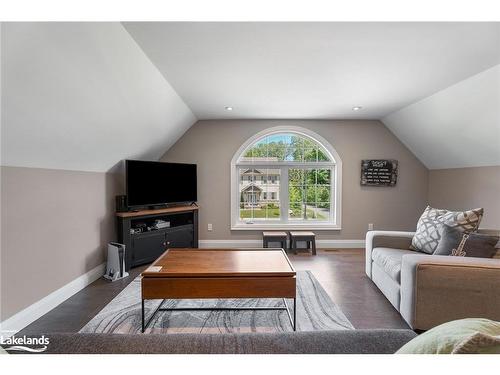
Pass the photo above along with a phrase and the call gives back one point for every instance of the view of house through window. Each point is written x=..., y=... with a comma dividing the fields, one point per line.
x=260, y=193
x=285, y=178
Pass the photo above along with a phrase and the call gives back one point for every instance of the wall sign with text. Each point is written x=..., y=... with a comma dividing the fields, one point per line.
x=379, y=172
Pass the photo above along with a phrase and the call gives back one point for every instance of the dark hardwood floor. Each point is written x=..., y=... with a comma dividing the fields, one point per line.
x=341, y=272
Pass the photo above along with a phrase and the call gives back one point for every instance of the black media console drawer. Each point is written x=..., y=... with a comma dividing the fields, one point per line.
x=181, y=236
x=147, y=246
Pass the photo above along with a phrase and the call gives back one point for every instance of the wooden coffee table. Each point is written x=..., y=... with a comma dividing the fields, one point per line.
x=220, y=273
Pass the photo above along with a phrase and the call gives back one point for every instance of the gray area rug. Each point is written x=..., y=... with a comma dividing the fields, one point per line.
x=315, y=311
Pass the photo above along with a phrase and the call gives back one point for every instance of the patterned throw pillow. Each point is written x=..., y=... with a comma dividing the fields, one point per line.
x=431, y=224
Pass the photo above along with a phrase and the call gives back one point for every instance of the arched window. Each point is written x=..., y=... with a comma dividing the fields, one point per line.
x=286, y=177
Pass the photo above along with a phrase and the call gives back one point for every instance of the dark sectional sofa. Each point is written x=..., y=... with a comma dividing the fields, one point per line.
x=315, y=342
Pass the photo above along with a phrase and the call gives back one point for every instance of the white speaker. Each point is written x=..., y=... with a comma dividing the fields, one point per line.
x=115, y=266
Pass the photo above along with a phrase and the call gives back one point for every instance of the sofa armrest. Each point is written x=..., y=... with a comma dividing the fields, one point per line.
x=380, y=238
x=437, y=289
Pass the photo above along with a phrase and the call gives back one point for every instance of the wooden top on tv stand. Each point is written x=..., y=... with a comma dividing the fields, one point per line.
x=168, y=210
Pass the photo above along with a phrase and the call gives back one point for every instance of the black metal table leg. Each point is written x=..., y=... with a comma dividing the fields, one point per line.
x=295, y=314
x=145, y=324
x=143, y=328
x=294, y=319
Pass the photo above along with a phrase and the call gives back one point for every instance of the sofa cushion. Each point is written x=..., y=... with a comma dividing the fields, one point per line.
x=430, y=226
x=358, y=341
x=389, y=287
x=390, y=260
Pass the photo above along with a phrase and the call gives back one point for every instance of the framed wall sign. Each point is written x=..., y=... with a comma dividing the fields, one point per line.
x=379, y=172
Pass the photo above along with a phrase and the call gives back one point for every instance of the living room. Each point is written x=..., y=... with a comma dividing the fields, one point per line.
x=250, y=187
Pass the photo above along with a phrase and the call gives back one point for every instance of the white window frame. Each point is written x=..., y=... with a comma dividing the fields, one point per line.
x=284, y=224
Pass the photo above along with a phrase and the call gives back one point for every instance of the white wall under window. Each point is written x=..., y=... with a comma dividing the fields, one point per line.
x=286, y=177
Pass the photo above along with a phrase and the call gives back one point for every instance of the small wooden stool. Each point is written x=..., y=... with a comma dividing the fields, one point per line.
x=268, y=237
x=308, y=237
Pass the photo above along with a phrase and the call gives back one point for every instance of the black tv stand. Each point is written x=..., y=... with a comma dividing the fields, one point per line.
x=163, y=206
x=151, y=208
x=144, y=242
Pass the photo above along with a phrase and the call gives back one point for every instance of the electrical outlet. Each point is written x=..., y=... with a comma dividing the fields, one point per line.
x=209, y=227
x=370, y=226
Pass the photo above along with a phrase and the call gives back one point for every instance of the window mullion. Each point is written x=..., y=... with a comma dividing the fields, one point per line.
x=284, y=201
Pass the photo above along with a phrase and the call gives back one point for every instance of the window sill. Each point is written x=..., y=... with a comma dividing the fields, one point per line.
x=306, y=226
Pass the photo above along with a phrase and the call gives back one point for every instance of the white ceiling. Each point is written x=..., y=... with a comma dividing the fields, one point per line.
x=456, y=127
x=83, y=96
x=314, y=70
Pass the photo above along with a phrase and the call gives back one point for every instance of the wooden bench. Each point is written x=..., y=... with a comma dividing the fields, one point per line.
x=268, y=237
x=308, y=237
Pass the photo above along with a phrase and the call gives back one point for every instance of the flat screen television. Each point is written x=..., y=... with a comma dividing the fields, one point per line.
x=153, y=183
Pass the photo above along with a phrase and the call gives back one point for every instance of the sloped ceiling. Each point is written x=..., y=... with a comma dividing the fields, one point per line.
x=318, y=70
x=456, y=127
x=83, y=96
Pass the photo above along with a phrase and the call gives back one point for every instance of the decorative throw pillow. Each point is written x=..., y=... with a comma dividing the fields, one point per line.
x=457, y=336
x=455, y=242
x=430, y=226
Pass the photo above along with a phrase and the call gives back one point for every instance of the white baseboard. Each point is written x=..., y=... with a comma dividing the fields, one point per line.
x=340, y=244
x=31, y=313
x=321, y=244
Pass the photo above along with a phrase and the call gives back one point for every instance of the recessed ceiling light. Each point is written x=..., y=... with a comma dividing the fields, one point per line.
x=228, y=108
x=356, y=108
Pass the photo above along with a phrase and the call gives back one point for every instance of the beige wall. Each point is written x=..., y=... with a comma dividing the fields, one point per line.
x=464, y=188
x=55, y=225
x=212, y=144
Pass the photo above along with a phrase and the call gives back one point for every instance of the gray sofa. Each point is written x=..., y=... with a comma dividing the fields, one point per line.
x=429, y=290
x=386, y=341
